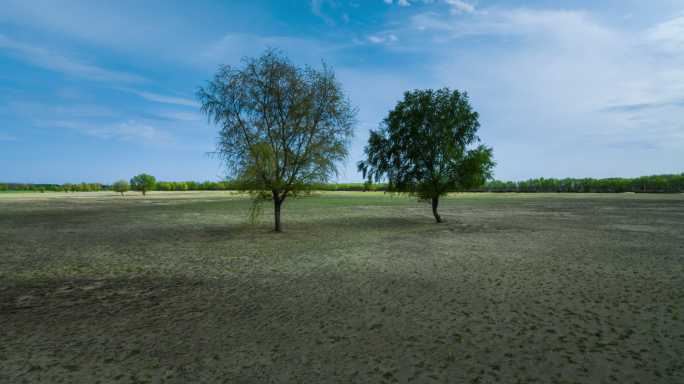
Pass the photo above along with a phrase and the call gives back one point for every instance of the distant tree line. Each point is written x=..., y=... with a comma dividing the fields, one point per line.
x=195, y=186
x=643, y=184
x=121, y=187
x=67, y=187
x=124, y=186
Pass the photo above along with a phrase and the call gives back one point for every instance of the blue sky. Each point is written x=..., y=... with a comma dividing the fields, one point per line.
x=99, y=91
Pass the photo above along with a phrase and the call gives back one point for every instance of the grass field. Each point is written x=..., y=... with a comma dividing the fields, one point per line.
x=361, y=287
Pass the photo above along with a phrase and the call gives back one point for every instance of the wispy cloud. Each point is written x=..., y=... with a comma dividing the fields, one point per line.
x=134, y=28
x=538, y=25
x=102, y=121
x=401, y=3
x=165, y=99
x=640, y=107
x=668, y=35
x=36, y=110
x=130, y=130
x=50, y=60
x=317, y=9
x=460, y=6
x=456, y=6
x=231, y=48
x=382, y=39
x=180, y=116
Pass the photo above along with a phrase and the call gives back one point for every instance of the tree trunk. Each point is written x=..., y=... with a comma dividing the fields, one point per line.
x=277, y=203
x=144, y=192
x=435, y=203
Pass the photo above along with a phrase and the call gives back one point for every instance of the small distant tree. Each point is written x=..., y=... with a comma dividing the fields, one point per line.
x=121, y=186
x=423, y=147
x=143, y=183
x=283, y=128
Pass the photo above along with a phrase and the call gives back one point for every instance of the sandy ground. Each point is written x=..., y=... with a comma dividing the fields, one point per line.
x=177, y=288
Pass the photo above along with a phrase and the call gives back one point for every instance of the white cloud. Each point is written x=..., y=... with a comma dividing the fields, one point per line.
x=104, y=122
x=130, y=130
x=528, y=23
x=165, y=99
x=35, y=110
x=460, y=6
x=456, y=6
x=669, y=35
x=134, y=28
x=382, y=39
x=561, y=82
x=376, y=39
x=47, y=59
x=182, y=116
x=401, y=3
x=231, y=48
x=317, y=9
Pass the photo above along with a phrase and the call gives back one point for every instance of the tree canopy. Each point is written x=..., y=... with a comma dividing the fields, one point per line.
x=143, y=182
x=282, y=128
x=426, y=146
x=121, y=186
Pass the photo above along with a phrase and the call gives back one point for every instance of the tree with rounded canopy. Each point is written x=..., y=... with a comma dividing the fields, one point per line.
x=143, y=182
x=121, y=186
x=282, y=128
x=425, y=147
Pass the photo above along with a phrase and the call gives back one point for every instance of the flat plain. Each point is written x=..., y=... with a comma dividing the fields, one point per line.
x=361, y=287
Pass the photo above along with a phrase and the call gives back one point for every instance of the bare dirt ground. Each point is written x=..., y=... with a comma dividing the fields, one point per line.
x=361, y=287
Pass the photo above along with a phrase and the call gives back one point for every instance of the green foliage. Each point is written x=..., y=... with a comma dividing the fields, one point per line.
x=195, y=186
x=650, y=184
x=255, y=210
x=121, y=186
x=425, y=146
x=87, y=187
x=143, y=182
x=282, y=128
x=360, y=187
x=67, y=187
x=164, y=186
